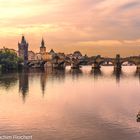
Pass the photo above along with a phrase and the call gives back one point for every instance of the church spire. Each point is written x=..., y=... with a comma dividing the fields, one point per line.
x=42, y=47
x=42, y=43
x=23, y=39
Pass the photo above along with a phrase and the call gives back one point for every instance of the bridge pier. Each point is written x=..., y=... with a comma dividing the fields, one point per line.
x=117, y=64
x=96, y=72
x=117, y=68
x=75, y=66
x=138, y=68
x=96, y=66
x=58, y=66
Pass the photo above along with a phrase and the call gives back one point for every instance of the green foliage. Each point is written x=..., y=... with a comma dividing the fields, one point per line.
x=9, y=59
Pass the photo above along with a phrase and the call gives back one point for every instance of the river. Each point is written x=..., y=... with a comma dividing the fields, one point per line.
x=71, y=105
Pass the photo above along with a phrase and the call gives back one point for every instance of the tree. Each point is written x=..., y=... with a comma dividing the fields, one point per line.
x=9, y=59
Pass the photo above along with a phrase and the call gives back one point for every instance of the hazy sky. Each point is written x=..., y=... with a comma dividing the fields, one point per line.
x=93, y=26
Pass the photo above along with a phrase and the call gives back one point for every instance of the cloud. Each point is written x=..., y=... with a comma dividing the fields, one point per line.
x=72, y=23
x=130, y=5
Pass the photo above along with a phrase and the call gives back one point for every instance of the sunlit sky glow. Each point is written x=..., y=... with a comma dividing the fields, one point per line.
x=102, y=27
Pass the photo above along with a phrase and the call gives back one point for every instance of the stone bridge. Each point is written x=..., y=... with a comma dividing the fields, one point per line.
x=117, y=62
x=55, y=63
x=96, y=62
x=46, y=63
x=36, y=63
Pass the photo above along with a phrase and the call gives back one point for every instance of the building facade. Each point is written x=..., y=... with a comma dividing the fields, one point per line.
x=31, y=55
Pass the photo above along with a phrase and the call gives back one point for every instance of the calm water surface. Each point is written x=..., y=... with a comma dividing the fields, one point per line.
x=71, y=105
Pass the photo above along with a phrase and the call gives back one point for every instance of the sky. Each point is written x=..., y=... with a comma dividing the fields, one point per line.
x=105, y=27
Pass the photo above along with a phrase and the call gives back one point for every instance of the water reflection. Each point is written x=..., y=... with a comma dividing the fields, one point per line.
x=75, y=73
x=118, y=75
x=8, y=80
x=24, y=83
x=58, y=74
x=97, y=73
x=43, y=79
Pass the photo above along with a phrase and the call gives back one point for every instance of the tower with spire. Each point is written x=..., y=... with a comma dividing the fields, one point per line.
x=42, y=47
x=23, y=49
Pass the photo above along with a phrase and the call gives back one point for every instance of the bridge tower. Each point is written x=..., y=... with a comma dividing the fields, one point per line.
x=23, y=50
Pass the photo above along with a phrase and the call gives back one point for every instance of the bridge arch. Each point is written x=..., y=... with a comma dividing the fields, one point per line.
x=101, y=63
x=129, y=61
